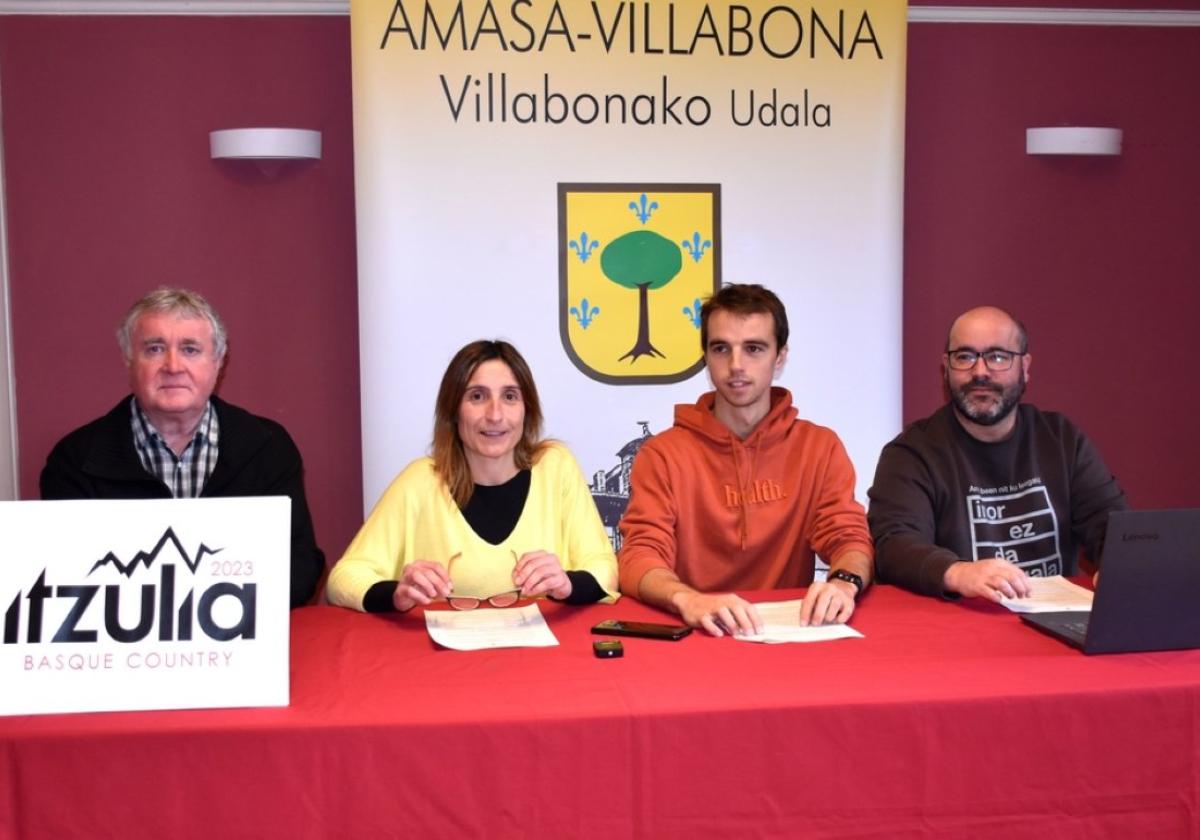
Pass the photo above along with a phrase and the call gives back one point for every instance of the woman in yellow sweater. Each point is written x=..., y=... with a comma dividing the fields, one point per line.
x=496, y=514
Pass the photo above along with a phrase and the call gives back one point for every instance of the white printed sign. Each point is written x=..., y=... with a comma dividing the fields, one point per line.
x=144, y=604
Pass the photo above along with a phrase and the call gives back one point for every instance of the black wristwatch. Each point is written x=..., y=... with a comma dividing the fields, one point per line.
x=849, y=577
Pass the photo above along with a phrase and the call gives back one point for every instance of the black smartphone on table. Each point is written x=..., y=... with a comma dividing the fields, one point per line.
x=641, y=629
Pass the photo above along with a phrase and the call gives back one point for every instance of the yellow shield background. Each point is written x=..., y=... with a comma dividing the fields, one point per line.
x=598, y=316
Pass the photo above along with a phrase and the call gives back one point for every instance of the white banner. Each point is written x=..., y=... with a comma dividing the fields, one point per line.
x=156, y=604
x=508, y=156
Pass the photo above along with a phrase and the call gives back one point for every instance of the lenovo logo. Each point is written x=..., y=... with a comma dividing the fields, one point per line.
x=1139, y=537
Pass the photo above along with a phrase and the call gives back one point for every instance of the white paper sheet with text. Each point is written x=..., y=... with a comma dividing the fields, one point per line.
x=489, y=628
x=781, y=623
x=1052, y=594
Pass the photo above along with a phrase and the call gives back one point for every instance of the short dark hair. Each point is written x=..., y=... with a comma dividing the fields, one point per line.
x=448, y=456
x=745, y=299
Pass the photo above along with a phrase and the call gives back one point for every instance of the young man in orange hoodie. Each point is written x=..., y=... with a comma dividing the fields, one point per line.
x=740, y=493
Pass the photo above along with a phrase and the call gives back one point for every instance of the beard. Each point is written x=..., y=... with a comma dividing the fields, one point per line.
x=987, y=415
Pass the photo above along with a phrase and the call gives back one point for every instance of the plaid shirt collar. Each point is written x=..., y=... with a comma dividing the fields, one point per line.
x=184, y=475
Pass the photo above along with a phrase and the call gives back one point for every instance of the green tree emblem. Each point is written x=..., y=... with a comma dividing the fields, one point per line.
x=642, y=260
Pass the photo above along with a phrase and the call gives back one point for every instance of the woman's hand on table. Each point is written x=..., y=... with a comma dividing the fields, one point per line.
x=541, y=573
x=422, y=583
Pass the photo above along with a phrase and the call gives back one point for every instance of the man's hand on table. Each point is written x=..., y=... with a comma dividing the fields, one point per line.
x=828, y=602
x=992, y=578
x=717, y=614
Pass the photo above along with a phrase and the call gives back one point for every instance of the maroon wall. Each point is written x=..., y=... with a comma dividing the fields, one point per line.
x=111, y=192
x=1099, y=256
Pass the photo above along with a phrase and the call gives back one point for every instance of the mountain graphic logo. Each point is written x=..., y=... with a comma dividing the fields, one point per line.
x=143, y=558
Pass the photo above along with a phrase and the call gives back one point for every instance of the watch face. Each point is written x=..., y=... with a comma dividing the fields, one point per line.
x=849, y=577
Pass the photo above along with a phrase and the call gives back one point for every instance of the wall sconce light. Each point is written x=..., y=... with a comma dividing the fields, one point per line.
x=270, y=148
x=1072, y=141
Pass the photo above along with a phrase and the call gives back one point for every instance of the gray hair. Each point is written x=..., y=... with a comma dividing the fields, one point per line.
x=182, y=302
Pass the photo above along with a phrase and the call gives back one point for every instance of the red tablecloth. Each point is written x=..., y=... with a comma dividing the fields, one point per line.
x=948, y=719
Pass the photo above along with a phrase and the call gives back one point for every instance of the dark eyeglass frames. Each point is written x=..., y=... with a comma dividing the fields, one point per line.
x=964, y=358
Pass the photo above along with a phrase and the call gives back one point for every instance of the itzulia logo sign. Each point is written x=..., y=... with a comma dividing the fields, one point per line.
x=69, y=612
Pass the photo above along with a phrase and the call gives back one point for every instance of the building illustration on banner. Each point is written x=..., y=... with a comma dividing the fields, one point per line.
x=635, y=262
x=610, y=487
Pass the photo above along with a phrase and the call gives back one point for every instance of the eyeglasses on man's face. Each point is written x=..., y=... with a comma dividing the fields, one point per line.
x=964, y=358
x=469, y=602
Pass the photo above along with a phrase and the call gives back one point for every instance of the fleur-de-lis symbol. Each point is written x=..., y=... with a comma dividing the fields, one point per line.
x=642, y=208
x=693, y=312
x=584, y=246
x=695, y=247
x=585, y=313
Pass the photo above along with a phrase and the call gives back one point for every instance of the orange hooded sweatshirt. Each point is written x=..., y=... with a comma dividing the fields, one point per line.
x=727, y=514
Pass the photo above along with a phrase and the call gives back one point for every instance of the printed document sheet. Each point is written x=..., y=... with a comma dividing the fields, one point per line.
x=489, y=628
x=781, y=623
x=1052, y=594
